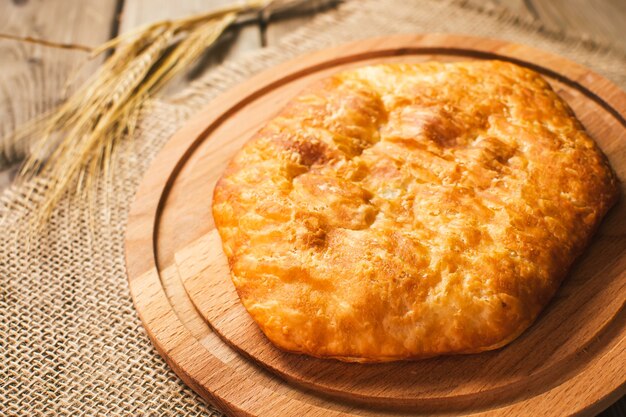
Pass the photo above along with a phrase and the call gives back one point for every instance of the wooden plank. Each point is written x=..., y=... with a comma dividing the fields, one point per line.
x=277, y=29
x=33, y=76
x=7, y=176
x=284, y=22
x=233, y=43
x=141, y=12
x=601, y=19
x=518, y=7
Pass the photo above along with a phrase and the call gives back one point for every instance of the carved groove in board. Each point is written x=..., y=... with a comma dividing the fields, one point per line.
x=205, y=275
x=576, y=367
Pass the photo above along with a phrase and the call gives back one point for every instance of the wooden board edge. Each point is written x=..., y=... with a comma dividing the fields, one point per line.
x=140, y=256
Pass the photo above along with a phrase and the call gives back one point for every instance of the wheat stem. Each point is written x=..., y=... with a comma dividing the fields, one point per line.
x=84, y=131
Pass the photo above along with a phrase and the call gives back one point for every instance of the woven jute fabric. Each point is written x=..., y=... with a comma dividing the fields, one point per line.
x=70, y=340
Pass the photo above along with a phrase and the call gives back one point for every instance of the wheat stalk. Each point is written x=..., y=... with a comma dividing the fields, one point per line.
x=76, y=140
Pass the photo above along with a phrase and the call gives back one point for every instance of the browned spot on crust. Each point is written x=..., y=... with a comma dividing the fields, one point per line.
x=410, y=210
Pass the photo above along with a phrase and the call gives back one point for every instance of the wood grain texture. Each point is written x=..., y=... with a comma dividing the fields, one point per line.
x=235, y=42
x=519, y=7
x=38, y=69
x=141, y=12
x=571, y=361
x=7, y=176
x=33, y=77
x=551, y=348
x=275, y=32
x=600, y=19
x=286, y=20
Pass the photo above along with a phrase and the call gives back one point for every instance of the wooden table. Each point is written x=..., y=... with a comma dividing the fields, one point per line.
x=32, y=77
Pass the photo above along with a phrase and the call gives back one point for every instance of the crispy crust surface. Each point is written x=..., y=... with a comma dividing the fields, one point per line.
x=410, y=210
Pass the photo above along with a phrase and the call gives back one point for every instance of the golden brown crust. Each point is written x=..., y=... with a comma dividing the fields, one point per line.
x=410, y=210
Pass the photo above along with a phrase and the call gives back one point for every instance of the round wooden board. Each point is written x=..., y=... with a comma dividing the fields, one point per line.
x=571, y=361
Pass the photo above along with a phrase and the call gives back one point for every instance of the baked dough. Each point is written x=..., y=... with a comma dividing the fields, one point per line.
x=410, y=210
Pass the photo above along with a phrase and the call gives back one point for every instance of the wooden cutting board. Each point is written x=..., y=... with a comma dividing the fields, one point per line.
x=571, y=361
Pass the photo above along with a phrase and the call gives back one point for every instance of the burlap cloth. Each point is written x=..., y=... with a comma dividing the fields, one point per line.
x=70, y=340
